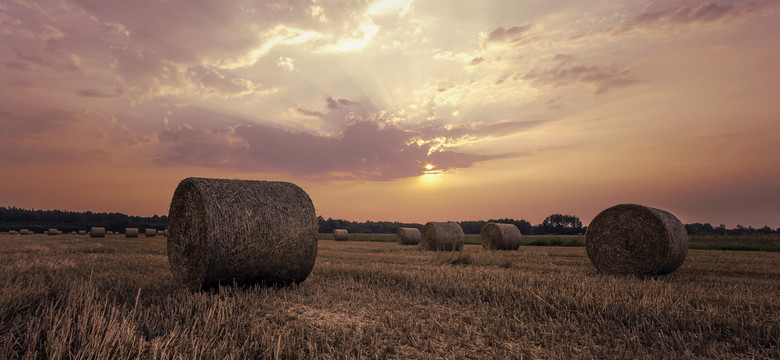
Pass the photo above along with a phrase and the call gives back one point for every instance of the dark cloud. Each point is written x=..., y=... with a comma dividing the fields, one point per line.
x=477, y=61
x=116, y=91
x=683, y=15
x=566, y=71
x=310, y=112
x=370, y=148
x=339, y=103
x=502, y=35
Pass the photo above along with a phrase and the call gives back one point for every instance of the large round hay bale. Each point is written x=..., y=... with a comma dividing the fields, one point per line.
x=243, y=231
x=340, y=234
x=52, y=232
x=150, y=232
x=442, y=236
x=635, y=239
x=131, y=232
x=408, y=236
x=498, y=236
x=96, y=231
x=24, y=232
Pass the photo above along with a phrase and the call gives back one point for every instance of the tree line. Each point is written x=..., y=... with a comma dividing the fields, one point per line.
x=13, y=218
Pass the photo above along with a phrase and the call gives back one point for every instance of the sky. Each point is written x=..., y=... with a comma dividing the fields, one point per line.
x=397, y=110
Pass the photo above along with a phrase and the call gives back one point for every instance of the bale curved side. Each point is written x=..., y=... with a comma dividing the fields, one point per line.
x=408, y=236
x=150, y=232
x=635, y=239
x=340, y=234
x=224, y=231
x=498, y=236
x=131, y=232
x=97, y=232
x=442, y=236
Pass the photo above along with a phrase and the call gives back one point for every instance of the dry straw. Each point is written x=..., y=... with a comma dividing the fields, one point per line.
x=340, y=234
x=408, y=236
x=497, y=236
x=635, y=239
x=52, y=232
x=131, y=232
x=442, y=236
x=97, y=232
x=243, y=231
x=150, y=232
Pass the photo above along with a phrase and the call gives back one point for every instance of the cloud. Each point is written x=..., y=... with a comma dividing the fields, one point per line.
x=687, y=15
x=114, y=92
x=566, y=71
x=502, y=36
x=370, y=148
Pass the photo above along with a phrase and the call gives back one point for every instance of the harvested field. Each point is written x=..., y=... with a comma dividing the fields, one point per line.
x=383, y=300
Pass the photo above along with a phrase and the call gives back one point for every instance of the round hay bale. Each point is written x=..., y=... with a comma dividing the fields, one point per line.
x=408, y=236
x=160, y=232
x=442, y=236
x=52, y=232
x=82, y=232
x=635, y=239
x=109, y=232
x=165, y=232
x=24, y=232
x=97, y=232
x=150, y=232
x=243, y=231
x=340, y=234
x=498, y=236
x=13, y=232
x=131, y=232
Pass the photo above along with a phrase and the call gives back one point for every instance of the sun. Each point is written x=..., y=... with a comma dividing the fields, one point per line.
x=428, y=167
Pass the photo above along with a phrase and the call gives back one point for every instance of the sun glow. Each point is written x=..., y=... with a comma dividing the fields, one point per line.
x=428, y=167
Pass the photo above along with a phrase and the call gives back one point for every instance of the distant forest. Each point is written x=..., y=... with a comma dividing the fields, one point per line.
x=13, y=218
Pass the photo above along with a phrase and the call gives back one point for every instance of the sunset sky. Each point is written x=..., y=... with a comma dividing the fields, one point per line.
x=522, y=108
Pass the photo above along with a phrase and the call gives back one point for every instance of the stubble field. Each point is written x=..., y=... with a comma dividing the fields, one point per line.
x=74, y=297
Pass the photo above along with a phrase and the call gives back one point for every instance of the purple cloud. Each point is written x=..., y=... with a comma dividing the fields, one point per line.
x=116, y=91
x=371, y=149
x=502, y=35
x=684, y=15
x=566, y=72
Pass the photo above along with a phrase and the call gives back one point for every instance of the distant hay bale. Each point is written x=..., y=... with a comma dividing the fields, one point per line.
x=131, y=232
x=408, y=236
x=73, y=233
x=52, y=232
x=160, y=232
x=150, y=232
x=109, y=232
x=243, y=231
x=24, y=232
x=82, y=232
x=442, y=236
x=59, y=232
x=97, y=232
x=498, y=236
x=635, y=239
x=165, y=232
x=13, y=232
x=340, y=234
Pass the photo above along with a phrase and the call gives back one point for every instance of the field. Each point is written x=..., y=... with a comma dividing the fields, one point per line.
x=704, y=242
x=75, y=297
